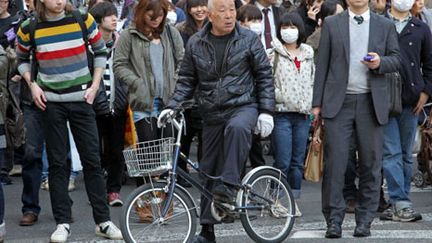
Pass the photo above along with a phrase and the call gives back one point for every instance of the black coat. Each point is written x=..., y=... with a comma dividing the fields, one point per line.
x=246, y=76
x=415, y=42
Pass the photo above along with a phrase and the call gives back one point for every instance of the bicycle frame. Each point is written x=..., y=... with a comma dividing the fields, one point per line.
x=179, y=124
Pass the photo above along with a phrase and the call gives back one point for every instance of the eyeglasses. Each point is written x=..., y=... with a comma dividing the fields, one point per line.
x=4, y=2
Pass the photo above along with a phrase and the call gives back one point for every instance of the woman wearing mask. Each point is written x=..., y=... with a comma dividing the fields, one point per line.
x=250, y=17
x=294, y=69
x=147, y=56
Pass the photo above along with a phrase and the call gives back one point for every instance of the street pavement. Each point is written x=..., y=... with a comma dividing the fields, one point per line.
x=309, y=228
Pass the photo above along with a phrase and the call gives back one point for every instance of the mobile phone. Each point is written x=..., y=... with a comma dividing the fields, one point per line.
x=368, y=58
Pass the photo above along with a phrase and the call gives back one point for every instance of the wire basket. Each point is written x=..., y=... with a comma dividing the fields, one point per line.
x=150, y=157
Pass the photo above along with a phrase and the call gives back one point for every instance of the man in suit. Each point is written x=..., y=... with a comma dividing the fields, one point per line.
x=351, y=95
x=271, y=15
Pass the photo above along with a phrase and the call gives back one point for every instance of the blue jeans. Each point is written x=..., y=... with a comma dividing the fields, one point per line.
x=399, y=137
x=32, y=161
x=289, y=142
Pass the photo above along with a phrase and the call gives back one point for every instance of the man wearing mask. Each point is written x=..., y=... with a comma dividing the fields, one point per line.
x=241, y=83
x=415, y=42
x=357, y=48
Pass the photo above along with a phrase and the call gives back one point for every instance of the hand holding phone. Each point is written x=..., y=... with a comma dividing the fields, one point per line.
x=368, y=58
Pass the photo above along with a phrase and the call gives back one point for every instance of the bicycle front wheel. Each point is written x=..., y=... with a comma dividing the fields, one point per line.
x=141, y=219
x=269, y=213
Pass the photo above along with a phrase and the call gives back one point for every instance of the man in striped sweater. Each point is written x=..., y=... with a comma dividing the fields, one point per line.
x=64, y=89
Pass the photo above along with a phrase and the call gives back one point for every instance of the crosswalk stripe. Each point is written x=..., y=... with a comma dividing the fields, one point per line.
x=375, y=234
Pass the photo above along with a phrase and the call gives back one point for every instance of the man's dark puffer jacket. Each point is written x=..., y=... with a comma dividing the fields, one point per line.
x=246, y=76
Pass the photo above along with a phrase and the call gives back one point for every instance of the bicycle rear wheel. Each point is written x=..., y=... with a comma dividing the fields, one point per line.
x=141, y=221
x=274, y=222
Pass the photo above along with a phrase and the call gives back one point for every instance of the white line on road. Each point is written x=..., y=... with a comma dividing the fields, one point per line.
x=375, y=234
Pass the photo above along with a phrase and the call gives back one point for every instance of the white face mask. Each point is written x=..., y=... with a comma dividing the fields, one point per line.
x=171, y=17
x=256, y=27
x=403, y=5
x=289, y=35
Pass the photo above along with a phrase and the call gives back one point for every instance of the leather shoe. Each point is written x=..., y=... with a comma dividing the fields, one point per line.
x=333, y=231
x=28, y=219
x=202, y=239
x=362, y=230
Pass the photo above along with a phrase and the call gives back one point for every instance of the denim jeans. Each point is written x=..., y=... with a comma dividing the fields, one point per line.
x=32, y=161
x=82, y=120
x=289, y=142
x=398, y=163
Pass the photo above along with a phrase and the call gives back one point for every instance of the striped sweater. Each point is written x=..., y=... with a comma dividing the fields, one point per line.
x=63, y=71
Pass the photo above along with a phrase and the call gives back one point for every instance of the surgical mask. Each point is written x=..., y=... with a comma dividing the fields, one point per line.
x=171, y=17
x=403, y=5
x=256, y=27
x=289, y=35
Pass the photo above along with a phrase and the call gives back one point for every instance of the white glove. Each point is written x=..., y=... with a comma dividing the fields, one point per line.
x=163, y=117
x=264, y=125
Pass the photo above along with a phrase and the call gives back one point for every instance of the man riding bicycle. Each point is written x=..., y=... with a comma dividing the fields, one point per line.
x=229, y=69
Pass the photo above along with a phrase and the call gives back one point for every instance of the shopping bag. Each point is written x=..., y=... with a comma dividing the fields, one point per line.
x=130, y=135
x=314, y=165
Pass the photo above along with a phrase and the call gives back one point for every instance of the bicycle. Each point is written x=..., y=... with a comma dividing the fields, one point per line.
x=165, y=211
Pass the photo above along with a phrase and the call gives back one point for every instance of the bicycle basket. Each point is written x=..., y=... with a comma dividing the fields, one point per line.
x=150, y=157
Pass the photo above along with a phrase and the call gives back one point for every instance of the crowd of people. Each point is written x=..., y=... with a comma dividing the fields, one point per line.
x=248, y=69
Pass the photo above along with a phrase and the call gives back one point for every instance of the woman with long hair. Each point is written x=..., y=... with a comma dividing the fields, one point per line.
x=196, y=17
x=147, y=56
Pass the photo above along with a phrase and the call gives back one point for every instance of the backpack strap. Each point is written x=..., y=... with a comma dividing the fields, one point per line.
x=275, y=61
x=32, y=29
x=80, y=21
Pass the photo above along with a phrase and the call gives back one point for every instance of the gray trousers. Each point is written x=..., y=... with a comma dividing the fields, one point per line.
x=356, y=116
x=225, y=150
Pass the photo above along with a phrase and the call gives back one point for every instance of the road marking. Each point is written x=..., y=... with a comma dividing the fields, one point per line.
x=375, y=234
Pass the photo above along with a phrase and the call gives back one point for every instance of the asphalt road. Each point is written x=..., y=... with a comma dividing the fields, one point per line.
x=309, y=228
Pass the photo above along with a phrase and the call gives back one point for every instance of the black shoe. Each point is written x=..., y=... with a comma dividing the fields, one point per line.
x=362, y=230
x=202, y=239
x=184, y=183
x=333, y=231
x=224, y=193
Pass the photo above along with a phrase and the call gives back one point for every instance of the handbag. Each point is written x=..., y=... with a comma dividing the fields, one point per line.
x=394, y=81
x=314, y=165
x=130, y=135
x=424, y=158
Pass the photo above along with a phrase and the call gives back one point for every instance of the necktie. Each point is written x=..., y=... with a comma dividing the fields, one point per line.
x=359, y=19
x=267, y=30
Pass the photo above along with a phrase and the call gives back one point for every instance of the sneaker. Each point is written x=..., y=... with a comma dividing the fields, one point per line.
x=71, y=186
x=61, y=233
x=279, y=211
x=108, y=230
x=298, y=213
x=387, y=214
x=405, y=215
x=2, y=231
x=16, y=170
x=114, y=199
x=224, y=193
x=45, y=185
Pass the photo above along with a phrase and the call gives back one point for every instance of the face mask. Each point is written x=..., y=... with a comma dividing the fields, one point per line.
x=289, y=35
x=403, y=5
x=171, y=17
x=256, y=27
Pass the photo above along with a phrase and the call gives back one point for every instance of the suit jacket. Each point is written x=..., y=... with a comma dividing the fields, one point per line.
x=331, y=76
